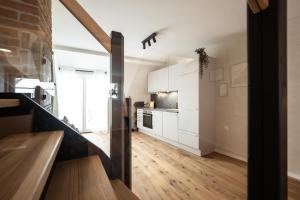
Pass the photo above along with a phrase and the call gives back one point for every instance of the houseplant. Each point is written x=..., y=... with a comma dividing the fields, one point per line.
x=203, y=60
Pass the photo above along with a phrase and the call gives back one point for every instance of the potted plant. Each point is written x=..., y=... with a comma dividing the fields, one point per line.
x=203, y=60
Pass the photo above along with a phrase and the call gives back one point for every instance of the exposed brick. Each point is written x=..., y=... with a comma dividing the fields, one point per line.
x=20, y=6
x=29, y=19
x=14, y=51
x=9, y=61
x=25, y=40
x=8, y=13
x=15, y=24
x=33, y=2
x=9, y=42
x=24, y=55
x=8, y=32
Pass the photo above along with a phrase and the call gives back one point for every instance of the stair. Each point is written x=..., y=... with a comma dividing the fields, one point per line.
x=80, y=179
x=26, y=160
x=8, y=103
x=122, y=192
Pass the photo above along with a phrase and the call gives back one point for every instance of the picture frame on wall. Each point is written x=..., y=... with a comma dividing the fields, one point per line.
x=223, y=90
x=239, y=77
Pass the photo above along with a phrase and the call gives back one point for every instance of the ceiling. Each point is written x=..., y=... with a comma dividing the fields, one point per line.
x=183, y=25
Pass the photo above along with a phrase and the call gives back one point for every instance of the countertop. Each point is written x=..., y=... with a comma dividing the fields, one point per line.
x=161, y=109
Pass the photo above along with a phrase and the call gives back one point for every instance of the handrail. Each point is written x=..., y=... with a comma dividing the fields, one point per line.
x=88, y=22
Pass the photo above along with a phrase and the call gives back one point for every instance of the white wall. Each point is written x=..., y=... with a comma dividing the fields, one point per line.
x=294, y=97
x=231, y=110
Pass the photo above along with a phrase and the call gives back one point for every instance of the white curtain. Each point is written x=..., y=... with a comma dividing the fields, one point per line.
x=83, y=99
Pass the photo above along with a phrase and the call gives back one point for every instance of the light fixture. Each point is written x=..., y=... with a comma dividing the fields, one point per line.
x=5, y=50
x=148, y=40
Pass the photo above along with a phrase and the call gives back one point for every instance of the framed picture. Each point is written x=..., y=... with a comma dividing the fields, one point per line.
x=223, y=89
x=239, y=77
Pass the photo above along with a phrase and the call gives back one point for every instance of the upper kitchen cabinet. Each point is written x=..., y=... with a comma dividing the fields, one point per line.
x=174, y=72
x=158, y=81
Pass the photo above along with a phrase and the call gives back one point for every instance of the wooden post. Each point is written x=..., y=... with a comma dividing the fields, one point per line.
x=267, y=129
x=127, y=147
x=117, y=99
x=258, y=5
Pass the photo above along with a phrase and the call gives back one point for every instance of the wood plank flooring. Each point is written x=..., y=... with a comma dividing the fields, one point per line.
x=161, y=171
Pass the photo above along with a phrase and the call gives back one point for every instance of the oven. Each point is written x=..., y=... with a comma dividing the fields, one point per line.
x=147, y=119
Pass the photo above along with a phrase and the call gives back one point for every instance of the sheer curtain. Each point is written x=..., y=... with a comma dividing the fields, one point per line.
x=83, y=99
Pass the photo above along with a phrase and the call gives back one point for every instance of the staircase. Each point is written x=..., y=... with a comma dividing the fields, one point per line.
x=48, y=159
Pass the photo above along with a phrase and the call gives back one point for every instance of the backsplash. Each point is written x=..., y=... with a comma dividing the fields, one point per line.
x=165, y=100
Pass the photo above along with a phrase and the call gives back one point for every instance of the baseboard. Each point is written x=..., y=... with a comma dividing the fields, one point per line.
x=294, y=176
x=176, y=144
x=232, y=155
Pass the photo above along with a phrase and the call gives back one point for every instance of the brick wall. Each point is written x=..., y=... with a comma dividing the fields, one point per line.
x=25, y=29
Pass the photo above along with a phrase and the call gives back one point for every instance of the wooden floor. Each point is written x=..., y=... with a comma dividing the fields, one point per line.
x=161, y=171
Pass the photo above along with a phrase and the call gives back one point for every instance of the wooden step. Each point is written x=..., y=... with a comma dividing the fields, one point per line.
x=7, y=103
x=26, y=160
x=80, y=179
x=122, y=192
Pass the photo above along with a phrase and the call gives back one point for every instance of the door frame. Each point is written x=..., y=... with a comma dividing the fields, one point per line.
x=267, y=102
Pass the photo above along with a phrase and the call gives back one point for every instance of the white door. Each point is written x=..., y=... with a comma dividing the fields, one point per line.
x=170, y=127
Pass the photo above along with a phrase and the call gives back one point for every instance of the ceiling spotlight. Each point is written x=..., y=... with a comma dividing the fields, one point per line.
x=5, y=50
x=154, y=39
x=148, y=40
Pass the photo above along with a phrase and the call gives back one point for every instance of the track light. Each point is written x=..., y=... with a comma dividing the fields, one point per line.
x=154, y=39
x=148, y=40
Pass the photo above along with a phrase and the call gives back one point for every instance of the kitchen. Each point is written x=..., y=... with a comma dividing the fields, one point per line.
x=179, y=108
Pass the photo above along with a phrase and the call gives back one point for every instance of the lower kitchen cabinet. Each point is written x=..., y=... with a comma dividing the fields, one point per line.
x=157, y=118
x=170, y=126
x=188, y=139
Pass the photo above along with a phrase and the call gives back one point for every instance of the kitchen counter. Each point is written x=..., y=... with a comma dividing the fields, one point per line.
x=161, y=109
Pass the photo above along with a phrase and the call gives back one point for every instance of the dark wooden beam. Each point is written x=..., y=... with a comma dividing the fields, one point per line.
x=117, y=115
x=267, y=127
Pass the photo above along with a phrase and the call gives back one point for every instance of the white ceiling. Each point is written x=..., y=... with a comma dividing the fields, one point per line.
x=183, y=25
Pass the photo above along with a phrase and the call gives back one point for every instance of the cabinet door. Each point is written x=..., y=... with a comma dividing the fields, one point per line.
x=170, y=127
x=174, y=72
x=140, y=118
x=158, y=81
x=151, y=82
x=188, y=92
x=188, y=120
x=157, y=122
x=188, y=139
x=162, y=79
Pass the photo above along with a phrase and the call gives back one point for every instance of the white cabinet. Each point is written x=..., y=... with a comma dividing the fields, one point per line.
x=158, y=81
x=157, y=118
x=188, y=139
x=188, y=120
x=170, y=127
x=174, y=72
x=188, y=91
x=140, y=118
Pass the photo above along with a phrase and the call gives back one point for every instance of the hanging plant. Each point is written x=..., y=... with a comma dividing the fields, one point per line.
x=203, y=60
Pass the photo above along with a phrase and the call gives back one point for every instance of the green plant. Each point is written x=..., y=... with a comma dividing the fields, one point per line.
x=203, y=60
